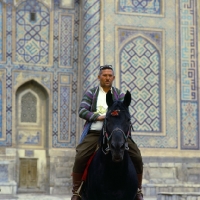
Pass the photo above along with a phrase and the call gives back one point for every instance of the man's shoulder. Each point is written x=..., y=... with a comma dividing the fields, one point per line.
x=91, y=91
x=117, y=89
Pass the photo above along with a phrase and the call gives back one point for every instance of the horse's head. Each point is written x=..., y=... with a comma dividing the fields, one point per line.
x=116, y=126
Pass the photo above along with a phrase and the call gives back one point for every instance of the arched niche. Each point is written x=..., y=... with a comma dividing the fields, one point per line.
x=31, y=115
x=141, y=74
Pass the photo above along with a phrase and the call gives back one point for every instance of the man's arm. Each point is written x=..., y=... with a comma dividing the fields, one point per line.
x=85, y=108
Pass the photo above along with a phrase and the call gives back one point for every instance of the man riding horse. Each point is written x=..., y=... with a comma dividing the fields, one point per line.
x=93, y=108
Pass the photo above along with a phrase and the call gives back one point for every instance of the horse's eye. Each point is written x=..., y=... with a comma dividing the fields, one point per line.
x=112, y=146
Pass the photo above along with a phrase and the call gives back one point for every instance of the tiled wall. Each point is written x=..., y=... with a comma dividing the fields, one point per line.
x=153, y=46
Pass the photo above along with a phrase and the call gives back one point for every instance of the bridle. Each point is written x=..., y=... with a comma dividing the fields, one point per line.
x=106, y=137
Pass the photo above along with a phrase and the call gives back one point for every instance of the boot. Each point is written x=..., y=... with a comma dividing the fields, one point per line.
x=139, y=195
x=76, y=177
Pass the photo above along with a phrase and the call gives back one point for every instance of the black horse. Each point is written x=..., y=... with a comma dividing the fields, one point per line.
x=111, y=174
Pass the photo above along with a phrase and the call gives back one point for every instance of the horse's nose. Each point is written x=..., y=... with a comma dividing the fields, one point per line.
x=117, y=151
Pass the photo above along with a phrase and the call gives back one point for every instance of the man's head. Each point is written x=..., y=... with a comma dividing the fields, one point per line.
x=106, y=77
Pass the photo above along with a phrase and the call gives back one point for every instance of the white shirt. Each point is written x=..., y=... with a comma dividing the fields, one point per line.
x=101, y=109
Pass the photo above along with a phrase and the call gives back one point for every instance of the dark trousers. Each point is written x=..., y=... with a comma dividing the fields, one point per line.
x=87, y=147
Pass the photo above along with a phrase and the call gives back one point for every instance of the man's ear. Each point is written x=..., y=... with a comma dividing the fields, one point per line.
x=109, y=99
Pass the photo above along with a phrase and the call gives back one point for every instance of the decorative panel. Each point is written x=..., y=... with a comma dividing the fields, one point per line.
x=189, y=125
x=64, y=108
x=32, y=35
x=66, y=34
x=26, y=34
x=91, y=43
x=1, y=31
x=65, y=81
x=189, y=75
x=30, y=110
x=64, y=112
x=3, y=172
x=140, y=73
x=144, y=55
x=2, y=107
x=29, y=137
x=140, y=6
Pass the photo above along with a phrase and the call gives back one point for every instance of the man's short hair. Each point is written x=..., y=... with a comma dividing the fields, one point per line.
x=105, y=67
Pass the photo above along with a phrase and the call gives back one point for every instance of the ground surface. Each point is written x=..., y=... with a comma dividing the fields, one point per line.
x=35, y=196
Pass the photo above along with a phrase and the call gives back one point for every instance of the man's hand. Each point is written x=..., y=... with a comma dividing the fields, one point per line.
x=101, y=118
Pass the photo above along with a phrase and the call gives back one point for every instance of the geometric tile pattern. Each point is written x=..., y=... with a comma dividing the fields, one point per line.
x=140, y=6
x=189, y=75
x=185, y=42
x=28, y=108
x=160, y=33
x=8, y=76
x=1, y=108
x=32, y=35
x=140, y=74
x=49, y=77
x=91, y=43
x=1, y=31
x=58, y=86
x=189, y=125
x=66, y=40
x=64, y=112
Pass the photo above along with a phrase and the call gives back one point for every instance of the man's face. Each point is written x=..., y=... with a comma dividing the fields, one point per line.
x=106, y=78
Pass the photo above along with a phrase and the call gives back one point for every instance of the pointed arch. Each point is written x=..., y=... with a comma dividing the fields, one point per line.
x=140, y=73
x=31, y=115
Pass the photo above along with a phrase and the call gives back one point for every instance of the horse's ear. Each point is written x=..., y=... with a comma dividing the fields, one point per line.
x=127, y=99
x=109, y=99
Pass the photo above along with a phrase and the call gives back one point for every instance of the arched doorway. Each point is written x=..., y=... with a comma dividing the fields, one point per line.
x=31, y=124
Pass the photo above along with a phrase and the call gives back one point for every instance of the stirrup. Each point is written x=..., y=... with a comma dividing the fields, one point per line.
x=76, y=194
x=139, y=191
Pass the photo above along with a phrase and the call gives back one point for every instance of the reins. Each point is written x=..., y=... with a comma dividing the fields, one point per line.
x=107, y=137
